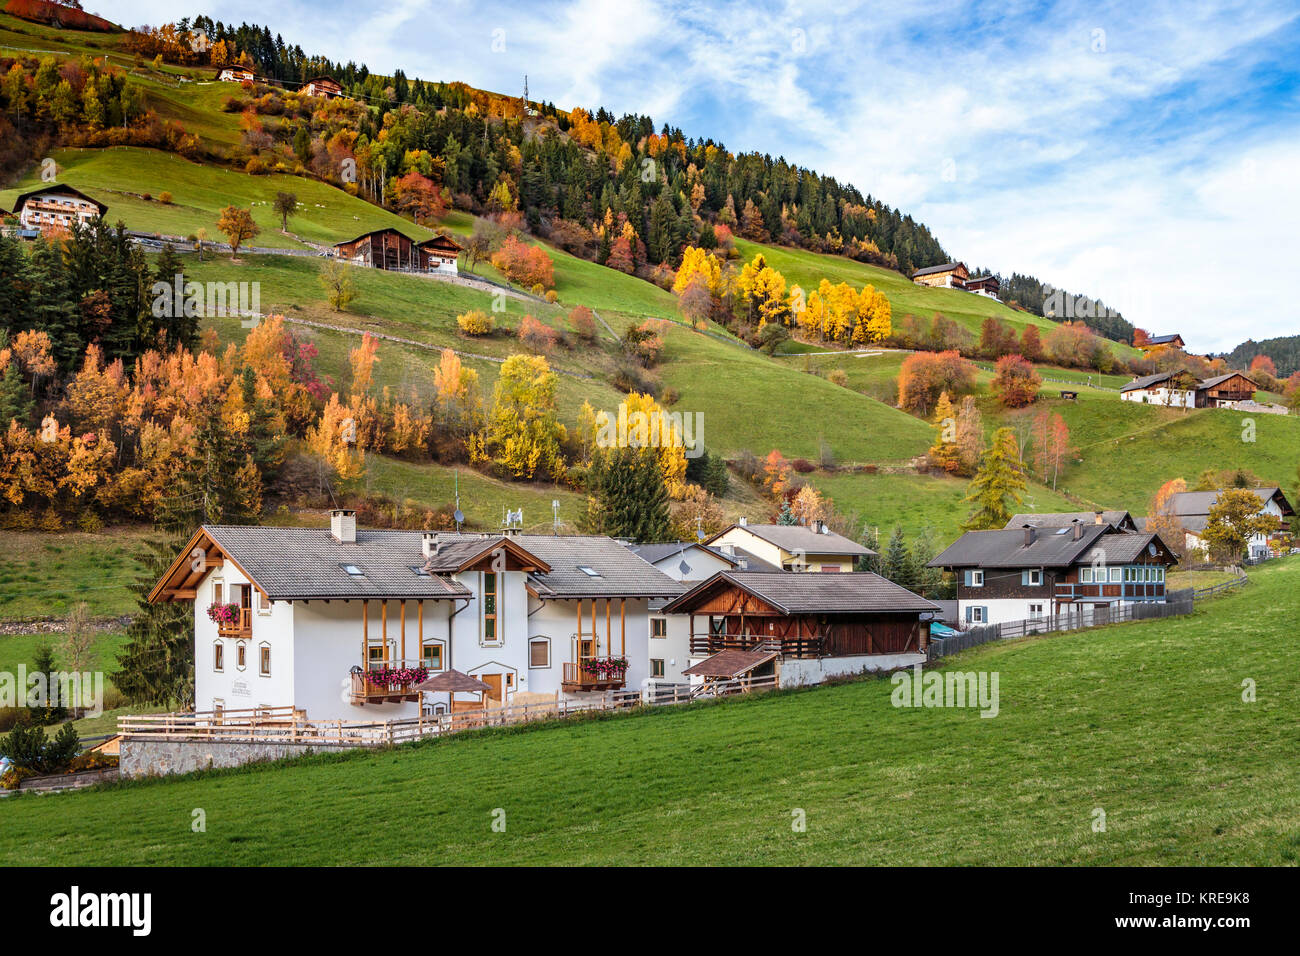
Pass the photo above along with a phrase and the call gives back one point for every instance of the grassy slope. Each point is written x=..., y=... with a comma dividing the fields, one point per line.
x=807, y=269
x=120, y=176
x=1143, y=720
x=45, y=574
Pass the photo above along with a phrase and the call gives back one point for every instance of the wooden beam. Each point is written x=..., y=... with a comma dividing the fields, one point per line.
x=365, y=634
x=622, y=627
x=403, y=607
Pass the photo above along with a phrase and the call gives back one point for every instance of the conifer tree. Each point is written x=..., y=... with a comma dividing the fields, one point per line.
x=997, y=485
x=628, y=498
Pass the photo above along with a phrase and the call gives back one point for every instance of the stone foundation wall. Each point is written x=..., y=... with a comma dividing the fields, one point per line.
x=150, y=757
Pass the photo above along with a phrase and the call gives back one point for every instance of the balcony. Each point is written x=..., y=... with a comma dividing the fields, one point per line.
x=703, y=645
x=595, y=674
x=232, y=620
x=389, y=682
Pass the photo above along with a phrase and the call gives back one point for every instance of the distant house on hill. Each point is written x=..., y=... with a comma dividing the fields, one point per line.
x=236, y=74
x=1182, y=390
x=949, y=275
x=1174, y=341
x=56, y=208
x=322, y=86
x=1017, y=574
x=397, y=252
x=790, y=547
x=1192, y=509
x=984, y=285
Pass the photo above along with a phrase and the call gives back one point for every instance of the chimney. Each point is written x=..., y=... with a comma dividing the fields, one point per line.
x=429, y=544
x=743, y=521
x=1077, y=525
x=343, y=526
x=1099, y=519
x=1031, y=533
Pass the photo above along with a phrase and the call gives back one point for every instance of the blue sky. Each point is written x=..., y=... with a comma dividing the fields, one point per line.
x=1144, y=153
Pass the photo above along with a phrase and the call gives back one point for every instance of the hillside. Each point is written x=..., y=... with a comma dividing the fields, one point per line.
x=1144, y=721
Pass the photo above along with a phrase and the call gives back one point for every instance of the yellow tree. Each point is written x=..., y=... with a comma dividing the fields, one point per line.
x=699, y=262
x=762, y=289
x=522, y=435
x=875, y=316
x=334, y=438
x=238, y=226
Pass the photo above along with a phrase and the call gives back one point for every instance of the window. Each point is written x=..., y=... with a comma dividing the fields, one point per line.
x=1116, y=575
x=431, y=655
x=975, y=579
x=490, y=582
x=264, y=658
x=420, y=570
x=1035, y=611
x=218, y=656
x=351, y=569
x=539, y=652
x=377, y=652
x=656, y=667
x=1034, y=578
x=589, y=572
x=658, y=627
x=218, y=592
x=263, y=603
x=1085, y=575
x=241, y=655
x=975, y=615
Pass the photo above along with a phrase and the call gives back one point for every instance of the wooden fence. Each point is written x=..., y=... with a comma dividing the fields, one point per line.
x=271, y=725
x=1177, y=603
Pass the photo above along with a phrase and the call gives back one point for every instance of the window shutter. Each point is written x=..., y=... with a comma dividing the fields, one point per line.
x=966, y=578
x=968, y=609
x=1024, y=579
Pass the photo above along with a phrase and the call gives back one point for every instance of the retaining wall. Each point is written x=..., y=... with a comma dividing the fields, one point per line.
x=153, y=757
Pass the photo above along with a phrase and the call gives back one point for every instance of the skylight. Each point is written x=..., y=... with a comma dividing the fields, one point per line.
x=421, y=571
x=589, y=572
x=351, y=569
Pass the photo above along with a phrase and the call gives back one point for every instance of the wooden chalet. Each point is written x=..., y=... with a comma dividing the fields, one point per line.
x=949, y=275
x=985, y=285
x=322, y=86
x=398, y=252
x=1174, y=341
x=803, y=615
x=56, y=208
x=1225, y=391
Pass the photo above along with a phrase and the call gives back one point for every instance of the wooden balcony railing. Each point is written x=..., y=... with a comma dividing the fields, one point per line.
x=379, y=683
x=241, y=628
x=583, y=677
x=702, y=644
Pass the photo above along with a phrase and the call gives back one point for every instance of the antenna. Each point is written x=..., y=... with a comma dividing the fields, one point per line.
x=458, y=516
x=555, y=510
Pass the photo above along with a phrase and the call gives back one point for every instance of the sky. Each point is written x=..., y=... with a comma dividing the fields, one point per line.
x=1143, y=153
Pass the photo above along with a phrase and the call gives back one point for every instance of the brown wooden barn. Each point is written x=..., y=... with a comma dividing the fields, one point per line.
x=804, y=615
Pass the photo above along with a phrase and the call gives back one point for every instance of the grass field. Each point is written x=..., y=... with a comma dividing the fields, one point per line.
x=45, y=575
x=1144, y=721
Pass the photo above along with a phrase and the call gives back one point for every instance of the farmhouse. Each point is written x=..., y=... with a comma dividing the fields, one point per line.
x=1174, y=341
x=1183, y=390
x=55, y=209
x=236, y=74
x=322, y=86
x=398, y=252
x=984, y=285
x=690, y=563
x=802, y=627
x=1192, y=509
x=790, y=547
x=950, y=275
x=1017, y=574
x=344, y=624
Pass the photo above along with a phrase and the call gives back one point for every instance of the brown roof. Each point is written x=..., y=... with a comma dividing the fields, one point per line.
x=453, y=681
x=730, y=663
x=810, y=592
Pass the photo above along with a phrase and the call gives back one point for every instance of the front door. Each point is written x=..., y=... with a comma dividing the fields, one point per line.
x=493, y=697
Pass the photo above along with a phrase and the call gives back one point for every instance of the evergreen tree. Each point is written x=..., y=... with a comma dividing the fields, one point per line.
x=896, y=564
x=786, y=517
x=15, y=397
x=43, y=663
x=628, y=497
x=997, y=485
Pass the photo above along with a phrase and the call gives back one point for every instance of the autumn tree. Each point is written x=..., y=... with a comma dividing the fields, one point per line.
x=237, y=226
x=336, y=279
x=1234, y=519
x=285, y=205
x=924, y=376
x=1016, y=383
x=997, y=486
x=1162, y=519
x=943, y=453
x=522, y=435
x=1051, y=445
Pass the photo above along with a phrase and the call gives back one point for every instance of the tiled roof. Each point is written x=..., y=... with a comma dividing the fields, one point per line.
x=1146, y=381
x=305, y=563
x=655, y=553
x=814, y=592
x=1187, y=504
x=1007, y=549
x=620, y=572
x=1063, y=519
x=796, y=538
x=931, y=270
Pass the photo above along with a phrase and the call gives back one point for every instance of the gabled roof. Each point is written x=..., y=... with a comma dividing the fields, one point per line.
x=810, y=592
x=1164, y=339
x=1050, y=548
x=1187, y=504
x=442, y=241
x=945, y=267
x=730, y=663
x=1146, y=381
x=796, y=538
x=618, y=572
x=375, y=232
x=1064, y=519
x=63, y=188
x=1220, y=379
x=654, y=553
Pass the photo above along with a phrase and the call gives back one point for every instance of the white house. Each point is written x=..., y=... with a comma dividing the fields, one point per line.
x=1163, y=388
x=1037, y=571
x=670, y=633
x=236, y=74
x=790, y=547
x=56, y=208
x=337, y=622
x=1192, y=509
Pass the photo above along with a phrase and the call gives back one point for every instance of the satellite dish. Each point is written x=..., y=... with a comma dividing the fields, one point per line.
x=684, y=568
x=458, y=516
x=700, y=534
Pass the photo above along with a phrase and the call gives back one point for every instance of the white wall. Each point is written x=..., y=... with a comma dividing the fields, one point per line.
x=241, y=689
x=799, y=672
x=1176, y=398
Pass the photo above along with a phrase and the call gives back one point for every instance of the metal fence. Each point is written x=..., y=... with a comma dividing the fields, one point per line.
x=1176, y=604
